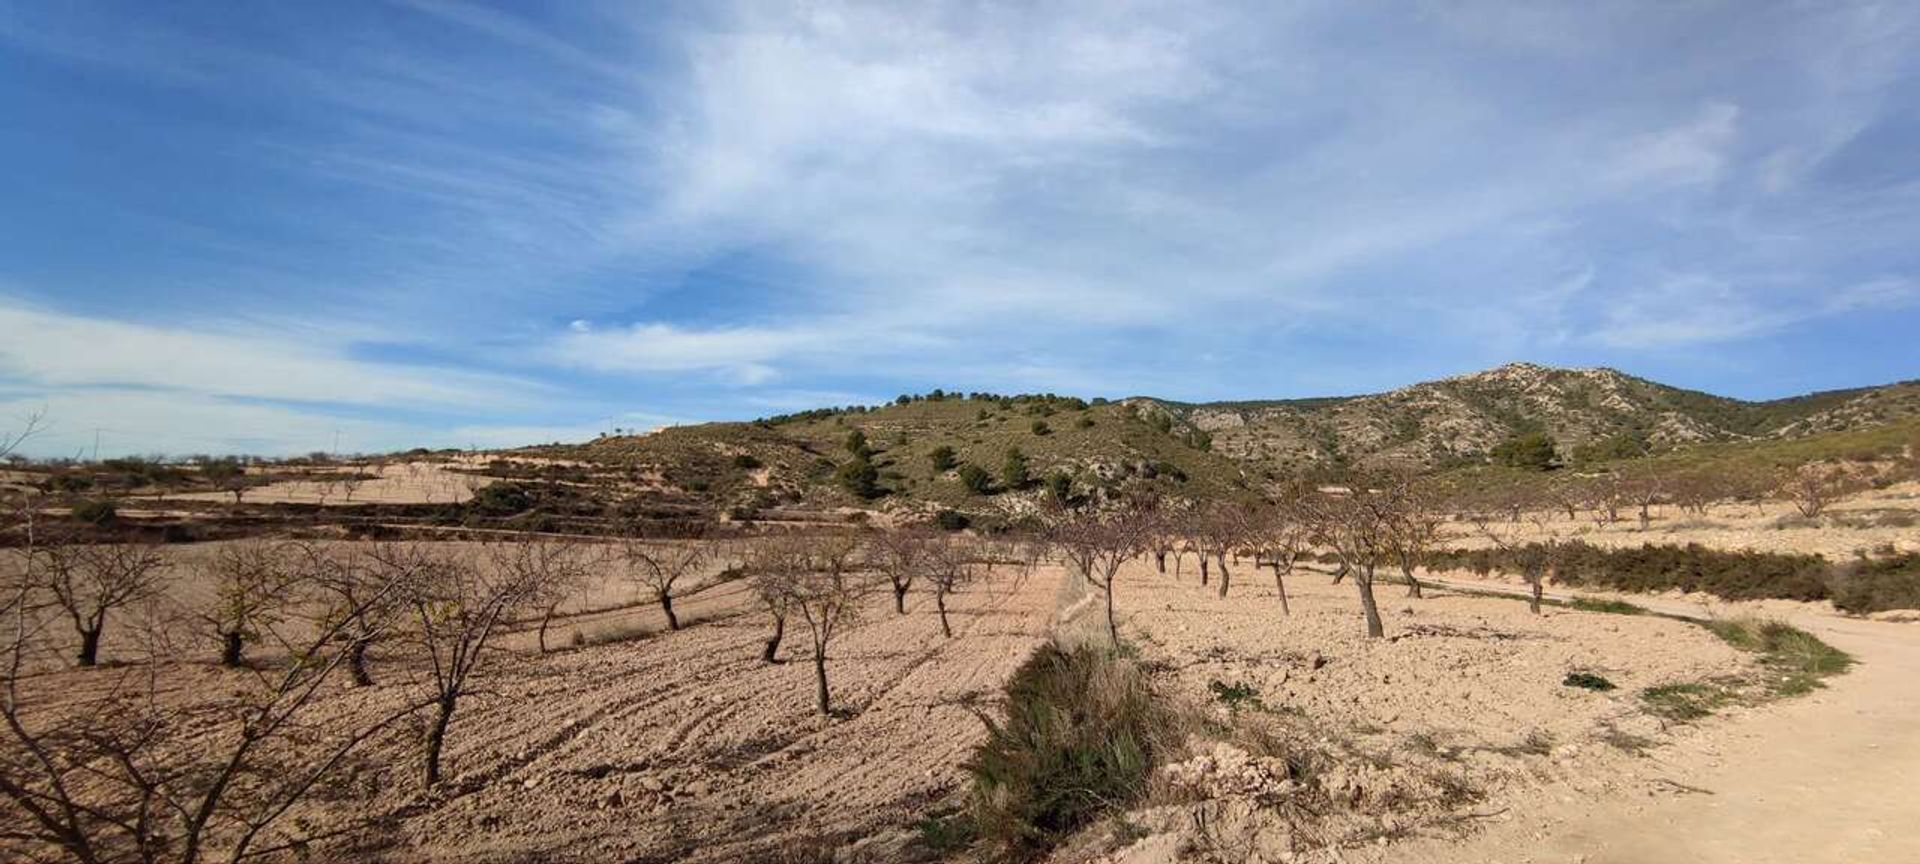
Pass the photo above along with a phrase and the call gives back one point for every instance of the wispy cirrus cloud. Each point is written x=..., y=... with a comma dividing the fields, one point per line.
x=563, y=214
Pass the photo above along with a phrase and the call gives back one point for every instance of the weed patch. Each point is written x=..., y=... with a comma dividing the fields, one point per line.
x=1794, y=659
x=1082, y=733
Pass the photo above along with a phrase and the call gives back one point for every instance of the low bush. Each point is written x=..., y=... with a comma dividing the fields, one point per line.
x=101, y=513
x=1872, y=584
x=1083, y=730
x=1650, y=568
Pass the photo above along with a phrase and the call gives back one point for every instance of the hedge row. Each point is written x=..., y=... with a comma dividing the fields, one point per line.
x=1868, y=584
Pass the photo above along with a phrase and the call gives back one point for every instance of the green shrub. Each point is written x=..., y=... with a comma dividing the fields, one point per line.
x=1060, y=486
x=943, y=458
x=1877, y=583
x=1013, y=472
x=860, y=478
x=1080, y=738
x=102, y=512
x=1533, y=451
x=1040, y=427
x=951, y=520
x=501, y=499
x=1742, y=575
x=857, y=445
x=976, y=479
x=746, y=462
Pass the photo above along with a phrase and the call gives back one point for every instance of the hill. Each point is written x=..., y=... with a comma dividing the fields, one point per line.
x=1591, y=413
x=1199, y=450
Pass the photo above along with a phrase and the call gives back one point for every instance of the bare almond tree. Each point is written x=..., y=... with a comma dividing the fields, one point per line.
x=818, y=578
x=1356, y=523
x=901, y=556
x=1279, y=536
x=1534, y=558
x=456, y=609
x=550, y=571
x=1812, y=487
x=117, y=778
x=254, y=585
x=90, y=581
x=950, y=564
x=1414, y=528
x=358, y=594
x=769, y=563
x=660, y=566
x=1097, y=544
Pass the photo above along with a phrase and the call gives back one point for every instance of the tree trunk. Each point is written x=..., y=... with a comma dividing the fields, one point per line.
x=1533, y=596
x=1280, y=585
x=231, y=645
x=1646, y=517
x=1113, y=624
x=899, y=599
x=546, y=619
x=1340, y=573
x=1225, y=576
x=437, y=736
x=821, y=699
x=940, y=602
x=89, y=646
x=666, y=608
x=357, y=663
x=1160, y=561
x=1364, y=582
x=767, y=654
x=1203, y=568
x=1413, y=583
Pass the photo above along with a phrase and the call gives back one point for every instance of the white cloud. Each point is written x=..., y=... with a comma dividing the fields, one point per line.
x=1690, y=153
x=53, y=349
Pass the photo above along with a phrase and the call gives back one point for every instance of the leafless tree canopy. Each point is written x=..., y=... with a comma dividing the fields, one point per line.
x=114, y=780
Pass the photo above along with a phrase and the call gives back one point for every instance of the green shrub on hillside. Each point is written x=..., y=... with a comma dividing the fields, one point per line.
x=1533, y=451
x=976, y=479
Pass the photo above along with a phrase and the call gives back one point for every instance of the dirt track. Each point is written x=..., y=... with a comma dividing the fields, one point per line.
x=1832, y=777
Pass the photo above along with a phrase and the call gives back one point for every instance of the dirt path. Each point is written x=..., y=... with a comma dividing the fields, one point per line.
x=1834, y=776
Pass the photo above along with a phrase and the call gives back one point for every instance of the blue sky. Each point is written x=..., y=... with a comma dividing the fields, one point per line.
x=251, y=227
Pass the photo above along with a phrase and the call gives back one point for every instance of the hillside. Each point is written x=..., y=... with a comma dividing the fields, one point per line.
x=1200, y=450
x=1457, y=420
x=797, y=460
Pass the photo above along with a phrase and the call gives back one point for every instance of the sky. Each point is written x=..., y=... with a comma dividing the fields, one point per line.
x=364, y=226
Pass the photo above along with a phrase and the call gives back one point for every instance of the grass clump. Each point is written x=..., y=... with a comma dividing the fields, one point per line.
x=1082, y=733
x=1795, y=659
x=1685, y=702
x=1609, y=607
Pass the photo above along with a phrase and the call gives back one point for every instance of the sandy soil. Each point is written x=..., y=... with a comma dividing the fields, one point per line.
x=683, y=746
x=1829, y=777
x=1857, y=523
x=397, y=483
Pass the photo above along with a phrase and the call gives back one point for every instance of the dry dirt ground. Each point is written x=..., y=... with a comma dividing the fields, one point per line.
x=1834, y=776
x=396, y=483
x=1858, y=523
x=683, y=746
